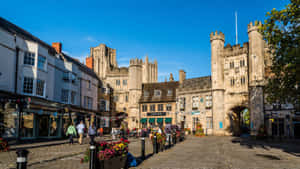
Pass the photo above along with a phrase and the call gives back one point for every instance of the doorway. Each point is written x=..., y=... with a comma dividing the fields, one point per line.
x=43, y=125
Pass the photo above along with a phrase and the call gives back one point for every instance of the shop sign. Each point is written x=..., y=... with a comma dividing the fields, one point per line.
x=156, y=114
x=195, y=112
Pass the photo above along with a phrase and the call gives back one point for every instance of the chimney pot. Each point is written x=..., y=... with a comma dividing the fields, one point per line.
x=57, y=46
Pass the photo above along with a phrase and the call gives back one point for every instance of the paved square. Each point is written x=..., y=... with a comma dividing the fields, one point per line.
x=224, y=153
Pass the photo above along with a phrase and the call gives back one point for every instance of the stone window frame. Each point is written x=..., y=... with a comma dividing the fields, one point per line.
x=170, y=92
x=243, y=80
x=168, y=107
x=195, y=102
x=125, y=82
x=118, y=83
x=160, y=107
x=152, y=107
x=146, y=93
x=144, y=107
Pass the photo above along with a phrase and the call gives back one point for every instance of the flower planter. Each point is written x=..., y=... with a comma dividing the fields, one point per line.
x=114, y=163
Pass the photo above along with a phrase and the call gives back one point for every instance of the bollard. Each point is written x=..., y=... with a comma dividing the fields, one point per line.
x=92, y=155
x=169, y=139
x=22, y=158
x=155, y=145
x=143, y=147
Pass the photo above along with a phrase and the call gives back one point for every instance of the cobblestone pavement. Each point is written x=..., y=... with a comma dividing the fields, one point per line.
x=62, y=156
x=226, y=153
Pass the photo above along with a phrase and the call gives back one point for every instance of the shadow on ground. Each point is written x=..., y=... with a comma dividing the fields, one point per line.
x=289, y=146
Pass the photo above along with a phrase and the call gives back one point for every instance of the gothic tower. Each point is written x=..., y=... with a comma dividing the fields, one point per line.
x=135, y=91
x=256, y=76
x=217, y=68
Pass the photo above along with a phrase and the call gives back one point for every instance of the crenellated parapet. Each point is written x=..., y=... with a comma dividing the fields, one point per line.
x=254, y=26
x=235, y=49
x=217, y=36
x=136, y=62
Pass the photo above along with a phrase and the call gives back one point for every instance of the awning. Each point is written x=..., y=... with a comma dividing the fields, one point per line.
x=151, y=120
x=168, y=120
x=159, y=120
x=144, y=120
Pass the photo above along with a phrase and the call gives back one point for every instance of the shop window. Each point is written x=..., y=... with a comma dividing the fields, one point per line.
x=10, y=120
x=28, y=85
x=169, y=107
x=29, y=58
x=42, y=62
x=64, y=95
x=160, y=107
x=40, y=87
x=54, y=127
x=152, y=107
x=144, y=108
x=27, y=125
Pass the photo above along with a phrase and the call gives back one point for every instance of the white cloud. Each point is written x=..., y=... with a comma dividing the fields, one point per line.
x=90, y=39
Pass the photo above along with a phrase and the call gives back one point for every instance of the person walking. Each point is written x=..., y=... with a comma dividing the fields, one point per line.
x=71, y=132
x=113, y=133
x=92, y=132
x=80, y=128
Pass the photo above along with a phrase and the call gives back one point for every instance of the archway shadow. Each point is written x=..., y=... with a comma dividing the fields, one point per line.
x=289, y=146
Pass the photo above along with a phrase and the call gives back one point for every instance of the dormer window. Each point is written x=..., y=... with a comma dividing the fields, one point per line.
x=146, y=94
x=157, y=93
x=170, y=93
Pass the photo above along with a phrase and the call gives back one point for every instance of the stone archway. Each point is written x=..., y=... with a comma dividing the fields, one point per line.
x=240, y=120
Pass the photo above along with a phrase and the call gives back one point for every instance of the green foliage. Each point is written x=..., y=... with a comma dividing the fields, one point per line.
x=281, y=30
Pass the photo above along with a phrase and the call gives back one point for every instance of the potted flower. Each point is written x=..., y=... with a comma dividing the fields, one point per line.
x=199, y=131
x=110, y=155
x=3, y=145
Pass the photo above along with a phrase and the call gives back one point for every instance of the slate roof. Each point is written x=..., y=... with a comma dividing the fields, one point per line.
x=163, y=87
x=196, y=83
x=14, y=29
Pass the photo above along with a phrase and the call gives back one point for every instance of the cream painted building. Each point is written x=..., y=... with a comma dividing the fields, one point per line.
x=126, y=82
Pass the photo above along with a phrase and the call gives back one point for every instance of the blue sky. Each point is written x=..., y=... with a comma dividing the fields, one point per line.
x=175, y=32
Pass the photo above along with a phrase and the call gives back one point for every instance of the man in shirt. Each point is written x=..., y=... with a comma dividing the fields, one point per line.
x=80, y=128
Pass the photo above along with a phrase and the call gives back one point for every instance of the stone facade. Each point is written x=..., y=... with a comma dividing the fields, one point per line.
x=126, y=82
x=194, y=104
x=238, y=77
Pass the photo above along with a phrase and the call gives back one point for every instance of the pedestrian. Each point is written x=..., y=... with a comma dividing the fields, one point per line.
x=71, y=132
x=80, y=128
x=92, y=132
x=101, y=131
x=113, y=133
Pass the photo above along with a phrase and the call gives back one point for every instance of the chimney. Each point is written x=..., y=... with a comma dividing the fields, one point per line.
x=89, y=62
x=181, y=76
x=57, y=46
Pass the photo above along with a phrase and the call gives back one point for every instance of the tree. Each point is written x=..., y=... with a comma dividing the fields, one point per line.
x=281, y=31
